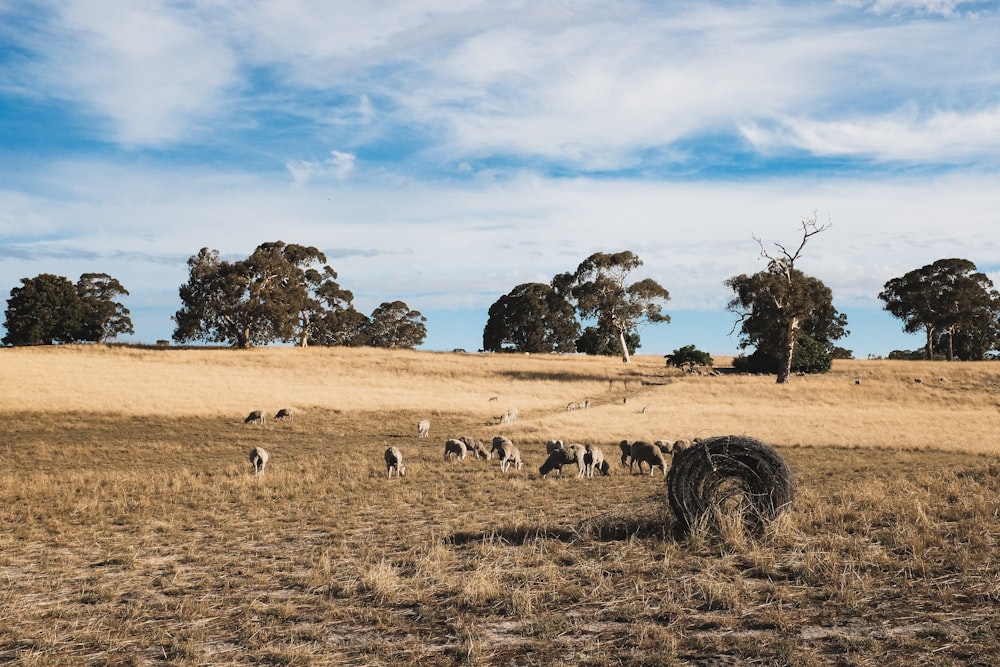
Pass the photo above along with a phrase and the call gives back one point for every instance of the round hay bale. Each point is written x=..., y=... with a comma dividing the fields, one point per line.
x=729, y=477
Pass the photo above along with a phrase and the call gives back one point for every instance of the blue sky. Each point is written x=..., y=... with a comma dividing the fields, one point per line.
x=443, y=152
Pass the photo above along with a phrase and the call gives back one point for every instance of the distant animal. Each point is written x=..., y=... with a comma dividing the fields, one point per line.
x=477, y=448
x=507, y=452
x=258, y=459
x=644, y=452
x=593, y=459
x=454, y=449
x=394, y=462
x=423, y=428
x=257, y=416
x=679, y=446
x=663, y=445
x=284, y=413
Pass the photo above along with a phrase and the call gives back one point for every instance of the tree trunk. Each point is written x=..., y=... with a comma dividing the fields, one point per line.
x=930, y=342
x=788, y=352
x=951, y=345
x=623, y=345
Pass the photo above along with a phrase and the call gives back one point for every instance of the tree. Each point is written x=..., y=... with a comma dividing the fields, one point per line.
x=951, y=301
x=533, y=317
x=394, y=325
x=779, y=305
x=105, y=317
x=281, y=292
x=689, y=356
x=46, y=309
x=601, y=291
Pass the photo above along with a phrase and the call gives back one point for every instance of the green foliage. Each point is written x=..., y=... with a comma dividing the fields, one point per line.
x=394, y=325
x=599, y=342
x=953, y=303
x=811, y=356
x=281, y=292
x=689, y=356
x=50, y=309
x=533, y=317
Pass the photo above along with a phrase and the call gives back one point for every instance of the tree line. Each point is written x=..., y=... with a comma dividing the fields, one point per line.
x=288, y=293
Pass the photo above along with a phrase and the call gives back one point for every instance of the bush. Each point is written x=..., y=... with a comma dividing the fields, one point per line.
x=689, y=356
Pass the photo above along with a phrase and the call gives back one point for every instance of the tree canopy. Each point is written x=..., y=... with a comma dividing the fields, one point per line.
x=395, y=325
x=954, y=304
x=280, y=293
x=779, y=306
x=532, y=317
x=50, y=309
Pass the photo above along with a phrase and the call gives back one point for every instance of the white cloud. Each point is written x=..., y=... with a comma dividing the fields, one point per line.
x=339, y=166
x=943, y=136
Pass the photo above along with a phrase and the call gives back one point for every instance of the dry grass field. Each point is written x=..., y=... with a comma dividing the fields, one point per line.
x=133, y=532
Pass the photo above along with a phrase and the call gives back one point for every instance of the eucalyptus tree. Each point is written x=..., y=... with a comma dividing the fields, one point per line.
x=779, y=305
x=106, y=317
x=395, y=325
x=279, y=293
x=601, y=291
x=950, y=300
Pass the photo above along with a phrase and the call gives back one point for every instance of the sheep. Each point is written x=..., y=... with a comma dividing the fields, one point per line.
x=454, y=449
x=663, y=445
x=476, y=447
x=593, y=458
x=680, y=446
x=283, y=413
x=626, y=452
x=258, y=459
x=394, y=462
x=644, y=452
x=553, y=445
x=570, y=407
x=423, y=428
x=555, y=461
x=257, y=416
x=507, y=452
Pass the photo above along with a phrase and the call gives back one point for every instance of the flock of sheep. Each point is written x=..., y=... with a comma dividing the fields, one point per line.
x=587, y=458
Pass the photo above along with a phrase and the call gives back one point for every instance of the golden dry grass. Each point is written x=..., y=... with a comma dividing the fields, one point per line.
x=132, y=532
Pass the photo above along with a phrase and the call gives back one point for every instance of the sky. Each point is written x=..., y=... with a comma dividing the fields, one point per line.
x=442, y=152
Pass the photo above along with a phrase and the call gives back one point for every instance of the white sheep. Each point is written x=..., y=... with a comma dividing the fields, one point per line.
x=593, y=458
x=507, y=453
x=258, y=459
x=283, y=413
x=256, y=416
x=476, y=447
x=454, y=449
x=644, y=452
x=563, y=455
x=423, y=428
x=394, y=462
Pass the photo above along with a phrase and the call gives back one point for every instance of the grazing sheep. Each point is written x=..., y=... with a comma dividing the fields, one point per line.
x=507, y=452
x=477, y=448
x=644, y=452
x=423, y=428
x=626, y=452
x=283, y=413
x=570, y=407
x=593, y=458
x=454, y=449
x=258, y=459
x=553, y=445
x=679, y=446
x=560, y=456
x=509, y=417
x=257, y=416
x=645, y=409
x=394, y=462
